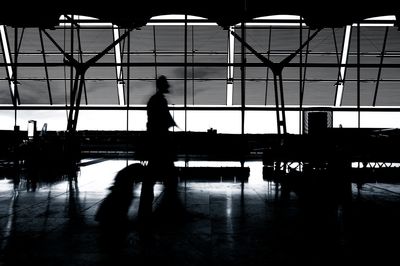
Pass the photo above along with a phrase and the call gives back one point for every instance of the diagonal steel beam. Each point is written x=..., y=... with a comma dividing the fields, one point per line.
x=262, y=58
x=275, y=66
x=118, y=68
x=97, y=57
x=303, y=82
x=380, y=66
x=285, y=61
x=78, y=102
x=342, y=68
x=81, y=59
x=73, y=101
x=17, y=46
x=69, y=57
x=45, y=67
x=8, y=64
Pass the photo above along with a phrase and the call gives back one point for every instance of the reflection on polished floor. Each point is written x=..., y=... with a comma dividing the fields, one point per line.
x=221, y=223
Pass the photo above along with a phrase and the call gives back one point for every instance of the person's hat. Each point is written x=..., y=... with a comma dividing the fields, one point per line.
x=162, y=83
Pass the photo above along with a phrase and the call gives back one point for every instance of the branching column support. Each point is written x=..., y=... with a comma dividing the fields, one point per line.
x=277, y=69
x=79, y=80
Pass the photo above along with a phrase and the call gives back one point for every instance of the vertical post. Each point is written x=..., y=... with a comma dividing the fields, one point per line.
x=185, y=84
x=243, y=77
x=155, y=51
x=358, y=75
x=243, y=98
x=128, y=60
x=193, y=65
x=14, y=78
x=300, y=76
x=15, y=116
x=231, y=58
x=72, y=85
x=128, y=73
x=185, y=74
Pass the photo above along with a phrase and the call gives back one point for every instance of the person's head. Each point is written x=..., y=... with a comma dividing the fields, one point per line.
x=162, y=84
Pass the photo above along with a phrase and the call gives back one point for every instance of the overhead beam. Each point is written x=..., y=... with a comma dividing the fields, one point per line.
x=211, y=64
x=220, y=108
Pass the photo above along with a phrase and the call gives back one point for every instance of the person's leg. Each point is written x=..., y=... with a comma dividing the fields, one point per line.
x=146, y=197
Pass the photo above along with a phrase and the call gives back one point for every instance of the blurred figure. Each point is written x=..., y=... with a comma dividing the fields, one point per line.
x=159, y=146
x=113, y=211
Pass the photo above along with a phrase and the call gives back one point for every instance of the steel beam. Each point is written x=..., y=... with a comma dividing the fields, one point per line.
x=81, y=59
x=243, y=74
x=209, y=64
x=380, y=66
x=267, y=74
x=9, y=65
x=342, y=69
x=45, y=67
x=220, y=108
x=118, y=68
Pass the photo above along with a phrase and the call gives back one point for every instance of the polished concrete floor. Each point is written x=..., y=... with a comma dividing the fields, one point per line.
x=214, y=223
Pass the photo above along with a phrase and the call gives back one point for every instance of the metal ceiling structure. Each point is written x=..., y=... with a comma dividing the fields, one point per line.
x=227, y=57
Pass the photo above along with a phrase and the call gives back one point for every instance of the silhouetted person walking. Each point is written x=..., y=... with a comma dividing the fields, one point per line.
x=160, y=150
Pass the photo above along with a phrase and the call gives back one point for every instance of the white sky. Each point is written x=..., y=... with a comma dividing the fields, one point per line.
x=198, y=121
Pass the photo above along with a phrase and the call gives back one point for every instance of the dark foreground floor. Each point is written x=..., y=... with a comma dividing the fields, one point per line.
x=212, y=224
